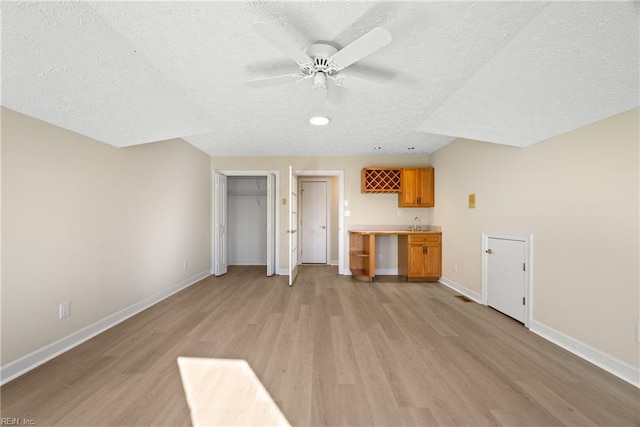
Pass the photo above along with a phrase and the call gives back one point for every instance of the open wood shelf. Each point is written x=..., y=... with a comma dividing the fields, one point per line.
x=361, y=275
x=359, y=253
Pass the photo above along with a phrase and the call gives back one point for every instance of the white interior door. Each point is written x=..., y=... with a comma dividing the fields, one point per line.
x=313, y=222
x=271, y=224
x=293, y=224
x=220, y=225
x=506, y=277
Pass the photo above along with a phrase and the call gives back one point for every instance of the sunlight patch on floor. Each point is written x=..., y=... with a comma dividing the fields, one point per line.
x=226, y=392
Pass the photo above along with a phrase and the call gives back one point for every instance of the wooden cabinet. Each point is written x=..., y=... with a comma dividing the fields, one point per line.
x=420, y=256
x=381, y=180
x=417, y=188
x=362, y=250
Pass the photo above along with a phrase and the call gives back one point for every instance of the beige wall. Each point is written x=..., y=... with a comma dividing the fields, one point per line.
x=95, y=225
x=365, y=208
x=578, y=195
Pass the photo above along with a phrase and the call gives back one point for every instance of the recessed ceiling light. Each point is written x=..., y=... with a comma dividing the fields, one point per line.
x=319, y=120
x=377, y=148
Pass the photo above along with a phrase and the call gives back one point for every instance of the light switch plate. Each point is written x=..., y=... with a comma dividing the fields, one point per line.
x=472, y=201
x=64, y=310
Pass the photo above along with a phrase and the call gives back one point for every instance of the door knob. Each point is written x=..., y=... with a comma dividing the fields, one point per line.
x=323, y=227
x=489, y=251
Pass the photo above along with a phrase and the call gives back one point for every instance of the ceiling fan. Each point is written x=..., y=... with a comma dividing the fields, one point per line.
x=322, y=61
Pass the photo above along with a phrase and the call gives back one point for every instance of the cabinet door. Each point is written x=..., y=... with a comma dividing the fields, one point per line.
x=417, y=260
x=433, y=260
x=409, y=193
x=417, y=188
x=424, y=186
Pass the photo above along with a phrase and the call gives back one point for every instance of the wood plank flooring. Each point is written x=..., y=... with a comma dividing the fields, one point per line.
x=330, y=351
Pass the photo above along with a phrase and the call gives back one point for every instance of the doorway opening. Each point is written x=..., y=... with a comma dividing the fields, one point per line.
x=316, y=214
x=335, y=222
x=244, y=225
x=318, y=245
x=247, y=220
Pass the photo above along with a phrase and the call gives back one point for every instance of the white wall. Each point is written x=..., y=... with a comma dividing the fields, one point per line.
x=101, y=227
x=579, y=195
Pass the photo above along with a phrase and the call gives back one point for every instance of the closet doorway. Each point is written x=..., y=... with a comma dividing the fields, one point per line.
x=244, y=222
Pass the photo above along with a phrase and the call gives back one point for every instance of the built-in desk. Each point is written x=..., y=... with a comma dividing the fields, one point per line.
x=419, y=253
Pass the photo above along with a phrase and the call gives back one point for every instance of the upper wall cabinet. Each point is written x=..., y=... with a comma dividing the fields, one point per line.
x=417, y=190
x=381, y=180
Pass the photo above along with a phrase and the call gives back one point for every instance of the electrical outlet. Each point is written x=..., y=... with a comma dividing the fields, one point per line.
x=399, y=212
x=455, y=268
x=64, y=309
x=638, y=334
x=185, y=266
x=347, y=213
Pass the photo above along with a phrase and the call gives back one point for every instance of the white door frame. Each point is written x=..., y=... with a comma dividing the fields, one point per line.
x=292, y=231
x=272, y=218
x=327, y=181
x=528, y=285
x=276, y=231
x=219, y=236
x=340, y=174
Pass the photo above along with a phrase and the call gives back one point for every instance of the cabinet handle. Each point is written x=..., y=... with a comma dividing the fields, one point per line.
x=419, y=199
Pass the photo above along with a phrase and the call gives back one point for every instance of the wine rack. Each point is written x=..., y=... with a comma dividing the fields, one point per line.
x=381, y=180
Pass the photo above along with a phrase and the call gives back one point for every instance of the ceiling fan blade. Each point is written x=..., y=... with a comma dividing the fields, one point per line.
x=362, y=85
x=365, y=45
x=275, y=80
x=277, y=39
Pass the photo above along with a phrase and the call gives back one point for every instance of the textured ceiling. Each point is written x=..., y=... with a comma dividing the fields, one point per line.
x=128, y=73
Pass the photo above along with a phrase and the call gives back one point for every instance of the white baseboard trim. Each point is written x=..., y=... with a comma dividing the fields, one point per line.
x=620, y=369
x=461, y=289
x=387, y=271
x=285, y=271
x=248, y=263
x=36, y=358
x=334, y=262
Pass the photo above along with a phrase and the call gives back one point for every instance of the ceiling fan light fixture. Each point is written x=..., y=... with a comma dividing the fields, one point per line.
x=319, y=120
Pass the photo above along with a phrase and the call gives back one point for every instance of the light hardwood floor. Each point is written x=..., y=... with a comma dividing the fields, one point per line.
x=330, y=351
